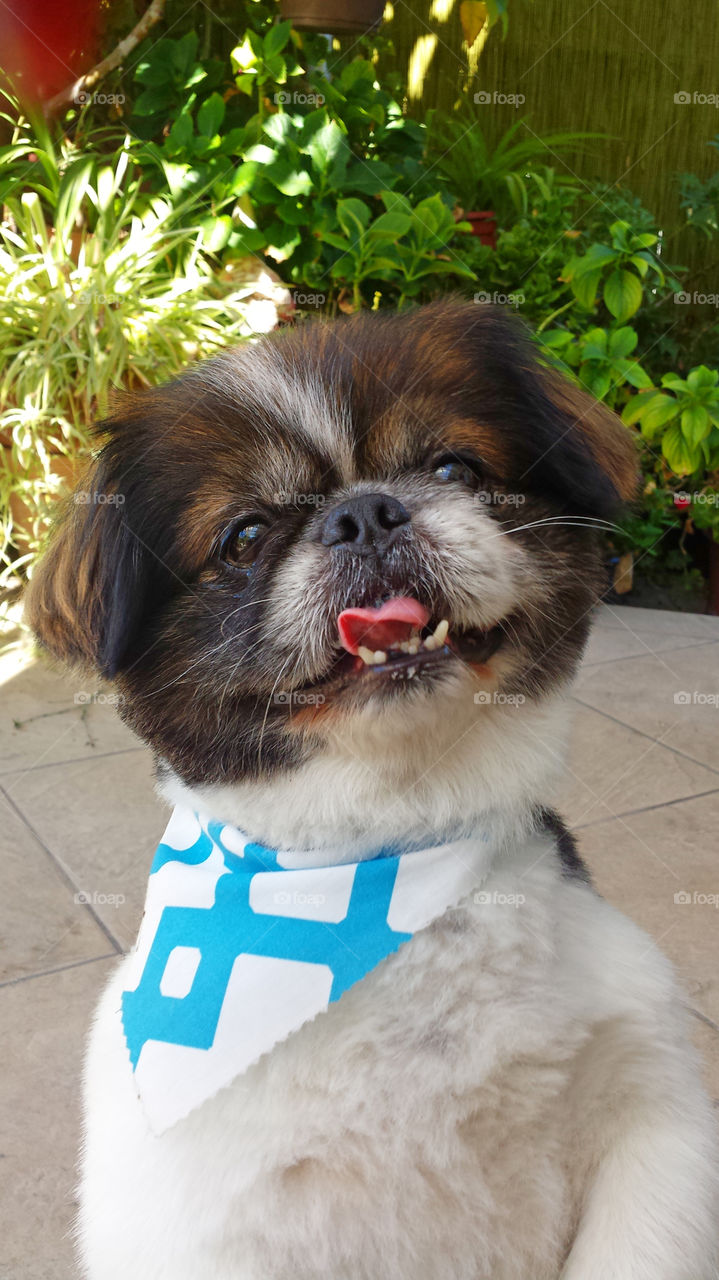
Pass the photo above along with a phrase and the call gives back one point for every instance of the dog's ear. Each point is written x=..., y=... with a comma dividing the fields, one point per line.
x=556, y=438
x=88, y=595
x=587, y=454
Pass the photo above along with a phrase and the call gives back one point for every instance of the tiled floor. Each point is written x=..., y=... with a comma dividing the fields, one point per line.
x=79, y=822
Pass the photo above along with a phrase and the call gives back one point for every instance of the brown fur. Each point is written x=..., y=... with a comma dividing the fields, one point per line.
x=140, y=590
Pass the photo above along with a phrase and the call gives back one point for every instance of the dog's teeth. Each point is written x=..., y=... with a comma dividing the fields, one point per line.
x=371, y=657
x=413, y=645
x=440, y=632
x=430, y=643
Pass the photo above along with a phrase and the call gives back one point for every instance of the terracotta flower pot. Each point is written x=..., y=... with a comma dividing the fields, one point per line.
x=484, y=226
x=333, y=15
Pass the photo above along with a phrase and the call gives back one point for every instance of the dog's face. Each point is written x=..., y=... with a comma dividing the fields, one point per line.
x=350, y=524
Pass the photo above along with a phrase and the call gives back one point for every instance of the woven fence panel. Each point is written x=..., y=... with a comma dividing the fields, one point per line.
x=640, y=71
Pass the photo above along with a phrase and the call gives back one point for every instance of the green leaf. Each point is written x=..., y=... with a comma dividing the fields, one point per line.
x=696, y=424
x=597, y=255
x=390, y=226
x=151, y=101
x=681, y=457
x=622, y=294
x=324, y=145
x=596, y=381
x=635, y=408
x=353, y=217
x=180, y=135
x=634, y=374
x=277, y=38
x=702, y=377
x=674, y=382
x=594, y=345
x=243, y=179
x=288, y=179
x=216, y=232
x=211, y=115
x=370, y=177
x=585, y=288
x=622, y=341
x=660, y=410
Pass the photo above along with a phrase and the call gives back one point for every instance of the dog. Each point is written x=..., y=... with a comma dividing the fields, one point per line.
x=341, y=580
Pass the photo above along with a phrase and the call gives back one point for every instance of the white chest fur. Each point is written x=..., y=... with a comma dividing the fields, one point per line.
x=435, y=1122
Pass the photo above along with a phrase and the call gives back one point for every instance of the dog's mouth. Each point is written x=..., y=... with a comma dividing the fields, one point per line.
x=398, y=640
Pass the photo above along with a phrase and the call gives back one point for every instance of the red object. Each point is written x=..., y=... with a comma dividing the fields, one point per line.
x=46, y=46
x=484, y=226
x=382, y=628
x=682, y=501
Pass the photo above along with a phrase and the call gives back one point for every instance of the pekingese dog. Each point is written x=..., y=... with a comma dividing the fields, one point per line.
x=341, y=580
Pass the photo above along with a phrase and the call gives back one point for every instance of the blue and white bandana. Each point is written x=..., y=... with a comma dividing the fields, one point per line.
x=240, y=945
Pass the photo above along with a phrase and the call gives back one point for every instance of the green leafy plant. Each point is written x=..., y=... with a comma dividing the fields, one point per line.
x=264, y=60
x=618, y=269
x=699, y=199
x=112, y=292
x=684, y=415
x=601, y=358
x=171, y=80
x=482, y=176
x=403, y=247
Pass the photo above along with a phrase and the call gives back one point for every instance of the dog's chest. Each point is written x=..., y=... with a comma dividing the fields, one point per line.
x=390, y=1136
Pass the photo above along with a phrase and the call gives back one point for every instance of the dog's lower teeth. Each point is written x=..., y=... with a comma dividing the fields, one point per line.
x=371, y=657
x=376, y=657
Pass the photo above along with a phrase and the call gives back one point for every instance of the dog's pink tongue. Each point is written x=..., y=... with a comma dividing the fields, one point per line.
x=382, y=628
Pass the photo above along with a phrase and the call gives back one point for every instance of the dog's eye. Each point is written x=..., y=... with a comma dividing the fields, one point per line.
x=452, y=470
x=239, y=546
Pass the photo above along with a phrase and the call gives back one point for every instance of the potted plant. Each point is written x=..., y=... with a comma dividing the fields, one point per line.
x=333, y=15
x=489, y=182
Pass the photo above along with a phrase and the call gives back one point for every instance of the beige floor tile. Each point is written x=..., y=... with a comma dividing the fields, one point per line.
x=699, y=626
x=41, y=723
x=102, y=821
x=611, y=769
x=641, y=692
x=41, y=925
x=607, y=644
x=42, y=1029
x=661, y=869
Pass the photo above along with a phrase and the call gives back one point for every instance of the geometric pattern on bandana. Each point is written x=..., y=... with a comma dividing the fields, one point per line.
x=241, y=944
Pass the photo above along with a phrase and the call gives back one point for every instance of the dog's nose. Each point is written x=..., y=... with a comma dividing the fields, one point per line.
x=367, y=522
